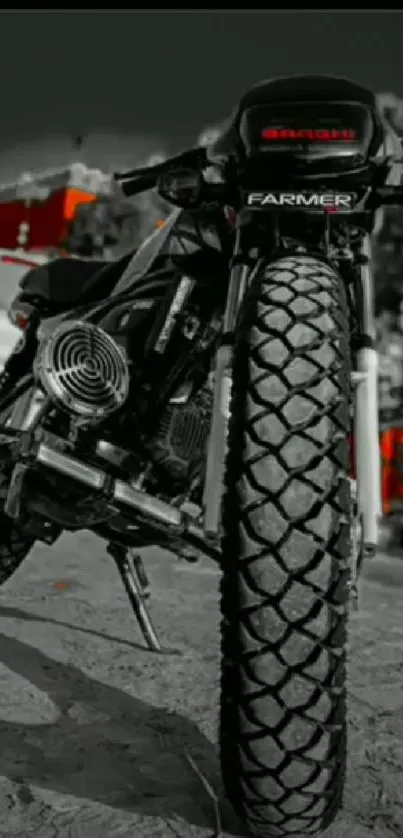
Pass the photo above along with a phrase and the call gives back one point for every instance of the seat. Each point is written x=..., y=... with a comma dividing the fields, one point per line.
x=64, y=282
x=288, y=89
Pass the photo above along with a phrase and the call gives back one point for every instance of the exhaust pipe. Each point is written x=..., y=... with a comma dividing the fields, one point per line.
x=157, y=511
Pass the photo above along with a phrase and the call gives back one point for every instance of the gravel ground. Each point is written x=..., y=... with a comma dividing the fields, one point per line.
x=94, y=730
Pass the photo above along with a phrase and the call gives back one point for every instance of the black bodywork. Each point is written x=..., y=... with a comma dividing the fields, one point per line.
x=57, y=286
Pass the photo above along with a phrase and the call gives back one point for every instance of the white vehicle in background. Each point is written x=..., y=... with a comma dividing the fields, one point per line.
x=13, y=265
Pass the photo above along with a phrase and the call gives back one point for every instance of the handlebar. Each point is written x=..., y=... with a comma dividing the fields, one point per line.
x=136, y=181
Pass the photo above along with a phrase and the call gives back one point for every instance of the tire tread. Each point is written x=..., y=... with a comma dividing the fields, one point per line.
x=284, y=589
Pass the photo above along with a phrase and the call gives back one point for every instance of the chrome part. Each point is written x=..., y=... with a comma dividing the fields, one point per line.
x=12, y=505
x=214, y=483
x=180, y=297
x=367, y=447
x=182, y=394
x=111, y=453
x=83, y=370
x=27, y=410
x=70, y=467
x=367, y=288
x=357, y=377
x=239, y=281
x=142, y=502
x=132, y=573
x=48, y=325
x=215, y=470
x=181, y=525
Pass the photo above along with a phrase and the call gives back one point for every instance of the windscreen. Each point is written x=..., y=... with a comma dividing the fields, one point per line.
x=310, y=130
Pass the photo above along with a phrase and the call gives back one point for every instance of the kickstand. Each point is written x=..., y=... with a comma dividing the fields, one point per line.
x=134, y=578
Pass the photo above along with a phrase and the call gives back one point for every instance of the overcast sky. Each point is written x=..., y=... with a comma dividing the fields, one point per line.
x=138, y=80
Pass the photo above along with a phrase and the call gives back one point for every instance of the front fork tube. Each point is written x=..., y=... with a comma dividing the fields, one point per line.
x=366, y=425
x=367, y=447
x=214, y=482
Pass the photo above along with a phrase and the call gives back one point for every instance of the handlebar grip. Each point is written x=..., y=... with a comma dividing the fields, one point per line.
x=138, y=184
x=192, y=157
x=136, y=173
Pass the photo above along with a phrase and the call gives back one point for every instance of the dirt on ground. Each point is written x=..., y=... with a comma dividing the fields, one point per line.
x=95, y=731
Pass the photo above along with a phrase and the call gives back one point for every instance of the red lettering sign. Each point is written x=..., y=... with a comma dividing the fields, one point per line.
x=323, y=135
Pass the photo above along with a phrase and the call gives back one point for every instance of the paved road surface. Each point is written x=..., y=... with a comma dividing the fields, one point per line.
x=93, y=729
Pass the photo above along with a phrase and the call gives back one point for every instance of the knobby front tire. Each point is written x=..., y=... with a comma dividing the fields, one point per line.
x=286, y=545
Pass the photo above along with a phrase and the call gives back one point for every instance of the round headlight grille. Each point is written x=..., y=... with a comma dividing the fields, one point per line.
x=84, y=370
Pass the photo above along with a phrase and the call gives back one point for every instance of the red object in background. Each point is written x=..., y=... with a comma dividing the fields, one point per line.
x=17, y=260
x=392, y=470
x=35, y=211
x=391, y=445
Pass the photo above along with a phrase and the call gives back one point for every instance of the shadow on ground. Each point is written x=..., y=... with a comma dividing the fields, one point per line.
x=105, y=745
x=10, y=611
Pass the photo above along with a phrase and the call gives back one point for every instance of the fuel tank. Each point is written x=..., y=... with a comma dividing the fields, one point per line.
x=184, y=234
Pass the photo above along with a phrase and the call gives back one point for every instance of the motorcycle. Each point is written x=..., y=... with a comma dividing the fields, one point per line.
x=198, y=395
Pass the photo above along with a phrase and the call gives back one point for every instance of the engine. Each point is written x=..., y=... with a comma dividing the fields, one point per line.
x=86, y=374
x=180, y=445
x=83, y=371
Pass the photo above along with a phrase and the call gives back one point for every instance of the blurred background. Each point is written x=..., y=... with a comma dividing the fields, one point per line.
x=88, y=93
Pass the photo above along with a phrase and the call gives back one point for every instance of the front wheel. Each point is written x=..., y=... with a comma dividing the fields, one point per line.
x=286, y=546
